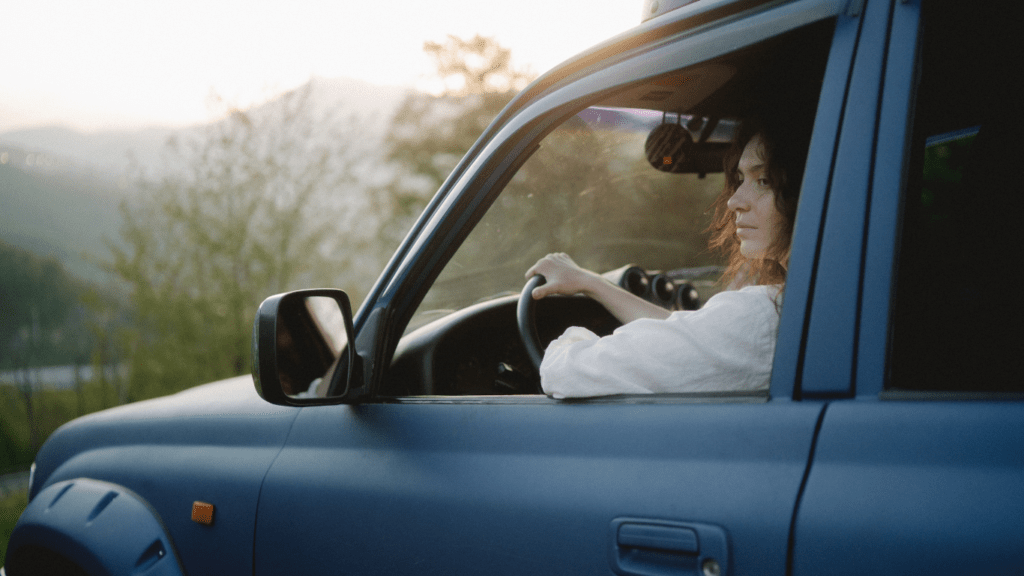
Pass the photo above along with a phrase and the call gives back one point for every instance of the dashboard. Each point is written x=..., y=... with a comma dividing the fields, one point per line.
x=478, y=350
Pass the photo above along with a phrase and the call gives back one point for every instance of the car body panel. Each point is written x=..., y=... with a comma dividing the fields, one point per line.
x=807, y=231
x=481, y=485
x=904, y=482
x=213, y=443
x=831, y=329
x=914, y=487
x=883, y=228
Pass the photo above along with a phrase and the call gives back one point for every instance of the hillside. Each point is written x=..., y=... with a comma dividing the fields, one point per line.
x=112, y=151
x=55, y=208
x=107, y=152
x=60, y=188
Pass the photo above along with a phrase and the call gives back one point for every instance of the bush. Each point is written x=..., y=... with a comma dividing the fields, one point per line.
x=11, y=507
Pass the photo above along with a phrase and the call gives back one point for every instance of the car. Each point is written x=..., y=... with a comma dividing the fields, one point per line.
x=412, y=435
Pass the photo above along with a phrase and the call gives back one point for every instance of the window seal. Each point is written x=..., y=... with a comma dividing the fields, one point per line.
x=624, y=399
x=907, y=395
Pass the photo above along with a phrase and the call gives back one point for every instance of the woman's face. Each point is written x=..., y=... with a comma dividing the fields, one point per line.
x=758, y=221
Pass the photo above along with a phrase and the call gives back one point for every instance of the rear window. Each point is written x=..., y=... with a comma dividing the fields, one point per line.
x=959, y=318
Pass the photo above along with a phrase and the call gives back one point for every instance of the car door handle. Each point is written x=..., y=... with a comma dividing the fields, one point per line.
x=642, y=547
x=655, y=537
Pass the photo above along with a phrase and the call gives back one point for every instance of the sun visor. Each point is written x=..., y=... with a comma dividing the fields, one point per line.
x=677, y=92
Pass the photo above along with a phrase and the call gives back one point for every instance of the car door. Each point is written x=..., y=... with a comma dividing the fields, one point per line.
x=448, y=484
x=918, y=465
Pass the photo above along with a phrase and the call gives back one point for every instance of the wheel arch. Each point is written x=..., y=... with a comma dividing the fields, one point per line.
x=98, y=527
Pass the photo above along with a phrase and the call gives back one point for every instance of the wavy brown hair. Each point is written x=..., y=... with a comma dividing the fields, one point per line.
x=783, y=150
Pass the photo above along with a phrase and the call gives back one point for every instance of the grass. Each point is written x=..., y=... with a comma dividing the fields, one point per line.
x=11, y=507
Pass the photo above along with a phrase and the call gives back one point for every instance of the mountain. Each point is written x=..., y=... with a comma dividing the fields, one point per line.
x=111, y=151
x=54, y=207
x=60, y=188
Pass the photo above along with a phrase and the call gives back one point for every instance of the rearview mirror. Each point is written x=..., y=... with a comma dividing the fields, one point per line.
x=303, y=348
x=671, y=148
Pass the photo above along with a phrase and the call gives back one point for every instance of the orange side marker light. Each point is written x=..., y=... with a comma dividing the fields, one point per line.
x=202, y=512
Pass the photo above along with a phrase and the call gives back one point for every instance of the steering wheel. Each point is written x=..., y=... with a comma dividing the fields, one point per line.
x=527, y=320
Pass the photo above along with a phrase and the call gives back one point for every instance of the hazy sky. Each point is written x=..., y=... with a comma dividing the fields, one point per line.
x=93, y=64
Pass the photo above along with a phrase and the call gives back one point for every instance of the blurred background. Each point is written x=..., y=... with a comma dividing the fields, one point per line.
x=166, y=166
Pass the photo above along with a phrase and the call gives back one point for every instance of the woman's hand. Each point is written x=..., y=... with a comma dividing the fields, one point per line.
x=563, y=276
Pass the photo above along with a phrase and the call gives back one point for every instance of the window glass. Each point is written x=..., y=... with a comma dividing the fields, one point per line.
x=957, y=322
x=588, y=191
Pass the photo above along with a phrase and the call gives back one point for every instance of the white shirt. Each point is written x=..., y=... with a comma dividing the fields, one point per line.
x=726, y=345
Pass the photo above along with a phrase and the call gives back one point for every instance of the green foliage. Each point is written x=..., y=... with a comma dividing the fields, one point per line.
x=16, y=451
x=430, y=134
x=40, y=315
x=11, y=507
x=476, y=66
x=47, y=318
x=52, y=408
x=237, y=214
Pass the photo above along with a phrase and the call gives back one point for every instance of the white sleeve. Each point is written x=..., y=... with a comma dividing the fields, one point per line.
x=726, y=345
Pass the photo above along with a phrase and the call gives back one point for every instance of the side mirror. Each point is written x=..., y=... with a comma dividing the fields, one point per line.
x=303, y=347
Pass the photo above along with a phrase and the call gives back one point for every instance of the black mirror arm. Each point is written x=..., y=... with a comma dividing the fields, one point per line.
x=707, y=130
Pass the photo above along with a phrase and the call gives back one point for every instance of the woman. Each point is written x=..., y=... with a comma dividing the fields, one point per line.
x=726, y=345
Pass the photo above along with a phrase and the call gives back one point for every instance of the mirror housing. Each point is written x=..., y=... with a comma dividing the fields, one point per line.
x=303, y=348
x=671, y=148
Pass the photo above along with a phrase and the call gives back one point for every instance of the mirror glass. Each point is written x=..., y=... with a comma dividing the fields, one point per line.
x=311, y=338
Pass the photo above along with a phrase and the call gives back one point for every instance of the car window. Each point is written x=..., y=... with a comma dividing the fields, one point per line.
x=588, y=191
x=591, y=189
x=958, y=316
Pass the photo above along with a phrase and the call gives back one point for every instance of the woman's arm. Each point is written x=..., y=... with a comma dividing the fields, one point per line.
x=726, y=345
x=566, y=277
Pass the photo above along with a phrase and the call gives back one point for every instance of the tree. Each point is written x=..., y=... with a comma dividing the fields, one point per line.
x=38, y=301
x=476, y=66
x=237, y=213
x=429, y=134
x=40, y=325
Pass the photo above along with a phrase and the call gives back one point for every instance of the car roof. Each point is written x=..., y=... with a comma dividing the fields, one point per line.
x=654, y=8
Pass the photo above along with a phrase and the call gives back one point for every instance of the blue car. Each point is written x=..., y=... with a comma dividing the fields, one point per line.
x=413, y=436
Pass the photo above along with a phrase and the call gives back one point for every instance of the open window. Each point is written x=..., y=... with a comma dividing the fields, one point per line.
x=624, y=186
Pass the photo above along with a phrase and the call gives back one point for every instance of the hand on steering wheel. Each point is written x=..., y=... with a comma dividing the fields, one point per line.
x=526, y=318
x=566, y=277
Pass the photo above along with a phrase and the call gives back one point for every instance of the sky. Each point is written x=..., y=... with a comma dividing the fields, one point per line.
x=127, y=64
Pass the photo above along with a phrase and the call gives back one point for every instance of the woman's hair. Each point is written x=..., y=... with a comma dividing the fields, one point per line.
x=783, y=150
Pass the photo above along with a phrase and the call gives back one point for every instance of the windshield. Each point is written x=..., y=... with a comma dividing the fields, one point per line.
x=589, y=191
